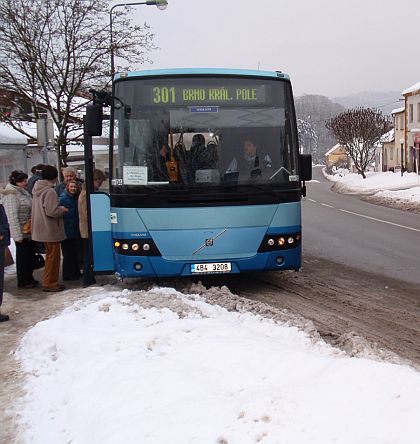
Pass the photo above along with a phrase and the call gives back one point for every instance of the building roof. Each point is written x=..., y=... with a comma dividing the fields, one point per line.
x=414, y=88
x=398, y=110
x=334, y=148
x=9, y=136
x=388, y=137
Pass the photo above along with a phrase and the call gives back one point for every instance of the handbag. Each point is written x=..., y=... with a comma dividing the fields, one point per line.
x=39, y=261
x=27, y=227
x=8, y=258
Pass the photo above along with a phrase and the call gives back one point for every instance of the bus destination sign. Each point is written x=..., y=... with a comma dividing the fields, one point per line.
x=208, y=95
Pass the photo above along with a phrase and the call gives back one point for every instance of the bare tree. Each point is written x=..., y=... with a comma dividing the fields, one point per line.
x=308, y=138
x=53, y=51
x=358, y=130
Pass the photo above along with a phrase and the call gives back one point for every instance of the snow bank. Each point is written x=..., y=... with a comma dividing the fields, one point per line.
x=160, y=366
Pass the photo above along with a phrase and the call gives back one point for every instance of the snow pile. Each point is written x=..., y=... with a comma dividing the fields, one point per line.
x=160, y=366
x=388, y=188
x=375, y=182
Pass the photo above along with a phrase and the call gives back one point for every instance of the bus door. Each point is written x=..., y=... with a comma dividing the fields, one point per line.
x=103, y=253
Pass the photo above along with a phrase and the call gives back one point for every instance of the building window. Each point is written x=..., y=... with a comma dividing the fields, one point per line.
x=391, y=154
x=410, y=113
x=396, y=122
x=402, y=122
x=418, y=112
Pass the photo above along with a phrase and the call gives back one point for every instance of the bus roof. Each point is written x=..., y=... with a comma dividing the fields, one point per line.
x=203, y=71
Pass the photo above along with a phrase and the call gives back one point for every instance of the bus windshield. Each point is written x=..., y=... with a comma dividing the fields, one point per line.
x=203, y=132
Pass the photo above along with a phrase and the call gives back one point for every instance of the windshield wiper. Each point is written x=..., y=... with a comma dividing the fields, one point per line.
x=260, y=187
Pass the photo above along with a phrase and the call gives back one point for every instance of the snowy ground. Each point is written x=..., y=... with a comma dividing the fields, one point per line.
x=160, y=366
x=387, y=188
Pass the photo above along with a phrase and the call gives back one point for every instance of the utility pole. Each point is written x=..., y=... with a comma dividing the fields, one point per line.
x=45, y=135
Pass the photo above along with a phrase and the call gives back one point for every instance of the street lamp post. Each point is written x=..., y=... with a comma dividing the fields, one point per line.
x=160, y=4
x=91, y=128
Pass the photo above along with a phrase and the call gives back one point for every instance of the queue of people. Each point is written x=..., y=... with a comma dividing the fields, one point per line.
x=52, y=216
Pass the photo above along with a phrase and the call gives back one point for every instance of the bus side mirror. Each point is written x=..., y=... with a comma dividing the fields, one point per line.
x=305, y=167
x=93, y=120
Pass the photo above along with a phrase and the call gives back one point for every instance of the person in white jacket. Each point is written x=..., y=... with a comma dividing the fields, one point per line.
x=18, y=205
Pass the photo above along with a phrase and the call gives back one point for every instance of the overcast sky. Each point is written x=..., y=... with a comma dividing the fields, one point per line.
x=328, y=47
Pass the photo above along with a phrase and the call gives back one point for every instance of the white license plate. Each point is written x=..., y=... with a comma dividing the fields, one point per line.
x=215, y=267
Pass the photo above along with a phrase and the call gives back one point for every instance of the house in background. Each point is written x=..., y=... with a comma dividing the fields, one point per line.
x=336, y=157
x=13, y=156
x=100, y=150
x=385, y=159
x=398, y=116
x=16, y=153
x=412, y=127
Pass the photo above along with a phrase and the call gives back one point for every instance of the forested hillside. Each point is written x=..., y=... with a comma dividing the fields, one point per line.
x=383, y=101
x=312, y=112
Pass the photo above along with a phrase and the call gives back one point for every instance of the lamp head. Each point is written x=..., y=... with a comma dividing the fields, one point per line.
x=160, y=4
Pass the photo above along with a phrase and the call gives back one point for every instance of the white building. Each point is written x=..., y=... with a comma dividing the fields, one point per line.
x=412, y=126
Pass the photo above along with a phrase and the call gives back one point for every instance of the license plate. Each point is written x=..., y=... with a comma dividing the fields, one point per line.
x=215, y=267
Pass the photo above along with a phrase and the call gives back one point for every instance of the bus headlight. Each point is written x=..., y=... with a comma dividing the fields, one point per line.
x=273, y=242
x=136, y=247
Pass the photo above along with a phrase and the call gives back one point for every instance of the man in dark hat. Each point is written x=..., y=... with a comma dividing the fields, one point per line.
x=36, y=175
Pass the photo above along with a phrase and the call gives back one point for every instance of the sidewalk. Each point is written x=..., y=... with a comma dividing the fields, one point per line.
x=26, y=308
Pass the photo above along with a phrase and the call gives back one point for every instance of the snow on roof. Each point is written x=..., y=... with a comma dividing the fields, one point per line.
x=8, y=135
x=388, y=137
x=398, y=110
x=415, y=87
x=79, y=148
x=332, y=149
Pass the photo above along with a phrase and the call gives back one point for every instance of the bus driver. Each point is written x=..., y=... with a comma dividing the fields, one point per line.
x=252, y=163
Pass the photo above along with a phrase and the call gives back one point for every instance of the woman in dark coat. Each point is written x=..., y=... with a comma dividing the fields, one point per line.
x=71, y=246
x=4, y=242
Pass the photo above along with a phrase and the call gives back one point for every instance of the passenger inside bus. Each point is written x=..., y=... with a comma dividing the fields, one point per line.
x=160, y=173
x=181, y=155
x=204, y=160
x=197, y=153
x=253, y=163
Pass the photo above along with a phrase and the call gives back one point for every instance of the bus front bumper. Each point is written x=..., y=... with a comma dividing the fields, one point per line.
x=157, y=266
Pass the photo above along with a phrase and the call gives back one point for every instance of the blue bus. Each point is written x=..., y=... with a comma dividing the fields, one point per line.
x=205, y=175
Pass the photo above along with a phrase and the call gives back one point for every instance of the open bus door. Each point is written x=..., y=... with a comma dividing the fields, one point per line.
x=102, y=246
x=101, y=254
